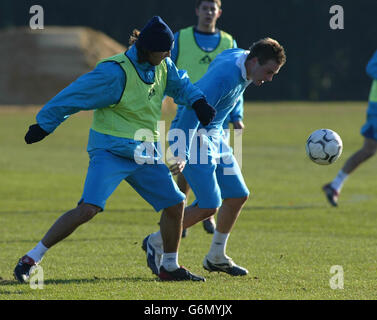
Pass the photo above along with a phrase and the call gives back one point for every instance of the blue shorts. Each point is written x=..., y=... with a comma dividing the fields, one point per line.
x=369, y=129
x=220, y=178
x=153, y=182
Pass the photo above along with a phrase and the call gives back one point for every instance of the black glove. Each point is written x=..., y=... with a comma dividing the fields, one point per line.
x=204, y=111
x=35, y=134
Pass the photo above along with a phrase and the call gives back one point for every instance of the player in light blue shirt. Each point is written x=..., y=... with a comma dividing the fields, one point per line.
x=195, y=47
x=369, y=148
x=216, y=178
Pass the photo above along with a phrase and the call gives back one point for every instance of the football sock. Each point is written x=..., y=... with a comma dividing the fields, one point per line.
x=218, y=247
x=339, y=180
x=156, y=239
x=170, y=261
x=37, y=252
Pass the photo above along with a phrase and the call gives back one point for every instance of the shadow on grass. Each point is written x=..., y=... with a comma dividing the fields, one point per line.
x=125, y=210
x=65, y=240
x=97, y=280
x=5, y=282
x=287, y=207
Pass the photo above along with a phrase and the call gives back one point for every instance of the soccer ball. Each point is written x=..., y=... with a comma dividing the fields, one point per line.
x=324, y=146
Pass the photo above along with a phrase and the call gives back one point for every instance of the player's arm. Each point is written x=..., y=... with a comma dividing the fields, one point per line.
x=372, y=66
x=180, y=88
x=187, y=122
x=236, y=115
x=97, y=89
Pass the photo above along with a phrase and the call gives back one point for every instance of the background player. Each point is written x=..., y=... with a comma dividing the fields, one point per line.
x=369, y=148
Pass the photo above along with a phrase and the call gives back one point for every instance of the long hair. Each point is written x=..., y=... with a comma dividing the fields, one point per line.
x=142, y=54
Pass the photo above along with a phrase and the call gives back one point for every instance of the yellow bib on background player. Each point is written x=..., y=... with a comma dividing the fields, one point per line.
x=194, y=59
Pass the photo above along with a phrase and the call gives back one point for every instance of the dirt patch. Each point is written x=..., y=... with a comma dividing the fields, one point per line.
x=36, y=64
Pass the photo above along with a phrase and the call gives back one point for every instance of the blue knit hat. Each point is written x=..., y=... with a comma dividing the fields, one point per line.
x=156, y=36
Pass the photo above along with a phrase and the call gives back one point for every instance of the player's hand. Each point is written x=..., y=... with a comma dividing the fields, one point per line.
x=204, y=111
x=35, y=134
x=176, y=165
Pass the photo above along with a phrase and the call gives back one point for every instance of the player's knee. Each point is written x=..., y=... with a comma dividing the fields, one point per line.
x=244, y=199
x=175, y=211
x=368, y=152
x=372, y=151
x=369, y=148
x=87, y=211
x=236, y=202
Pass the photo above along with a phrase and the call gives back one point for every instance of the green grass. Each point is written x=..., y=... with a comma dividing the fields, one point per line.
x=287, y=235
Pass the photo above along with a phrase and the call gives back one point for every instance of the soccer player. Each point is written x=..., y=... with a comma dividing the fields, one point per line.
x=195, y=48
x=218, y=183
x=126, y=92
x=369, y=148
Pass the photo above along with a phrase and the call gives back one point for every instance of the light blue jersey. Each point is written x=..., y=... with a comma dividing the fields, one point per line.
x=209, y=42
x=223, y=84
x=217, y=175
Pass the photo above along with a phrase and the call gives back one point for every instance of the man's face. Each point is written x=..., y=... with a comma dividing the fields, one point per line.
x=155, y=58
x=208, y=13
x=261, y=73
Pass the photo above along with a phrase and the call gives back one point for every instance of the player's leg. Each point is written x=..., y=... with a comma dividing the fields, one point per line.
x=203, y=181
x=156, y=185
x=68, y=222
x=368, y=150
x=208, y=219
x=105, y=172
x=235, y=194
x=229, y=212
x=182, y=184
x=185, y=188
x=202, y=178
x=194, y=214
x=369, y=131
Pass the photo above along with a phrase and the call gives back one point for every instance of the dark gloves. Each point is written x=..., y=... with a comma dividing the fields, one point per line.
x=35, y=134
x=204, y=111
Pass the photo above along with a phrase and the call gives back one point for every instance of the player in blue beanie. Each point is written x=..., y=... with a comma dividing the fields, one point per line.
x=126, y=92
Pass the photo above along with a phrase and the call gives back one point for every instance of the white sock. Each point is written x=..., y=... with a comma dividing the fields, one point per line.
x=156, y=240
x=170, y=261
x=37, y=252
x=218, y=247
x=339, y=180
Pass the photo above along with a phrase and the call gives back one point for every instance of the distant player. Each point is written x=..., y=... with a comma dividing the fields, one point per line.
x=369, y=148
x=195, y=48
x=218, y=183
x=125, y=91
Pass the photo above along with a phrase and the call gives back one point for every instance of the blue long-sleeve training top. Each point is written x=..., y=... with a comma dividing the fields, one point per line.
x=223, y=84
x=103, y=87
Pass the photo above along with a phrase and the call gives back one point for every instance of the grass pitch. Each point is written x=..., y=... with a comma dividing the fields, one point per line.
x=287, y=236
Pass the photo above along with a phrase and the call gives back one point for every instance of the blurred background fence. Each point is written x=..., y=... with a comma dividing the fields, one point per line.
x=322, y=64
